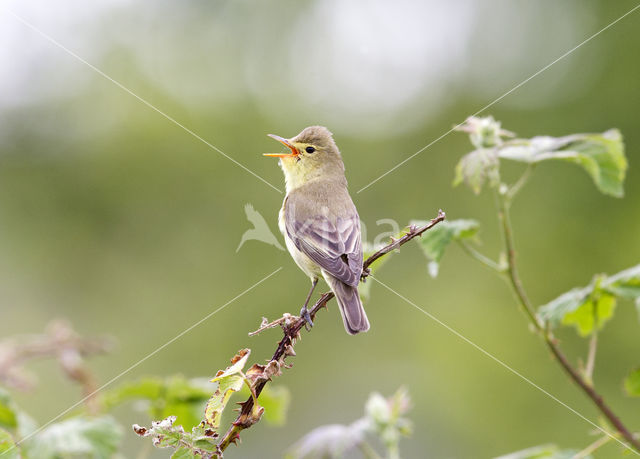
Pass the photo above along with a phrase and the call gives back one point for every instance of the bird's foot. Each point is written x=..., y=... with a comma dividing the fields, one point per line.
x=304, y=313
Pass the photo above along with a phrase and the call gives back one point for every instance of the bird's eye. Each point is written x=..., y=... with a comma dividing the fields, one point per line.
x=310, y=149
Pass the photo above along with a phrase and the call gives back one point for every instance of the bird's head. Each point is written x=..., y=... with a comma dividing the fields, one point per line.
x=313, y=155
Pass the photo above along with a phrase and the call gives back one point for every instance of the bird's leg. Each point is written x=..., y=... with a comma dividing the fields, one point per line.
x=304, y=312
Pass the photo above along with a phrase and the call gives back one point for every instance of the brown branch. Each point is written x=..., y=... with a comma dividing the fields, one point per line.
x=60, y=342
x=547, y=336
x=292, y=329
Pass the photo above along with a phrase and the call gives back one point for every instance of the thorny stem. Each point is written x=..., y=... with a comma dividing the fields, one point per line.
x=291, y=332
x=503, y=201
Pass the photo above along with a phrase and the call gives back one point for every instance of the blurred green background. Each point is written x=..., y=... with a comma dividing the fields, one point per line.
x=124, y=223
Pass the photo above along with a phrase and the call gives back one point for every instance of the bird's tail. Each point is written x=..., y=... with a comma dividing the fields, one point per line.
x=353, y=315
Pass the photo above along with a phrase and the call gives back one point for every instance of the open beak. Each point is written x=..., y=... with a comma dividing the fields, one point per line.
x=282, y=140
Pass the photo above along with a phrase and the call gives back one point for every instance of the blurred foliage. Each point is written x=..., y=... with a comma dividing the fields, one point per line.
x=544, y=452
x=384, y=421
x=97, y=435
x=203, y=437
x=601, y=155
x=97, y=438
x=591, y=307
x=183, y=398
x=632, y=383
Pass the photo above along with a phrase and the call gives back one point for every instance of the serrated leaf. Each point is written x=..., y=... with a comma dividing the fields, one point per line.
x=632, y=383
x=435, y=241
x=229, y=381
x=218, y=402
x=77, y=437
x=601, y=155
x=237, y=364
x=576, y=307
x=625, y=284
x=594, y=311
x=543, y=452
x=199, y=442
x=555, y=310
x=477, y=168
x=8, y=448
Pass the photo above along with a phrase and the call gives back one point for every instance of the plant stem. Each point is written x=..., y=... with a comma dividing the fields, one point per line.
x=524, y=178
x=600, y=442
x=368, y=451
x=591, y=357
x=488, y=262
x=545, y=333
x=512, y=269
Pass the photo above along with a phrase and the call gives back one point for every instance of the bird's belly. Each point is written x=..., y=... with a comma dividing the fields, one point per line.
x=306, y=264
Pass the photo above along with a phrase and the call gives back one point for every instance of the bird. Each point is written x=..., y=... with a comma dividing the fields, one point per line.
x=320, y=223
x=260, y=230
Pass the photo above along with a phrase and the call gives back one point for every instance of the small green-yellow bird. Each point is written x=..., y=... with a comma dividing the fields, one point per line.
x=320, y=223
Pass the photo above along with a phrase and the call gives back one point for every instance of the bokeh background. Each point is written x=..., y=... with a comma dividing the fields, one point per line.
x=119, y=220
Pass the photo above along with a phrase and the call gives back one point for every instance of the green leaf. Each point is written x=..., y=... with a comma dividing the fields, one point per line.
x=184, y=453
x=199, y=442
x=625, y=284
x=435, y=241
x=601, y=155
x=579, y=306
x=555, y=310
x=176, y=395
x=632, y=383
x=543, y=452
x=478, y=167
x=237, y=365
x=593, y=311
x=8, y=448
x=229, y=381
x=8, y=414
x=149, y=388
x=96, y=438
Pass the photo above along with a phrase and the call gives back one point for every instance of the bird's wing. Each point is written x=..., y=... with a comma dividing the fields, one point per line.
x=331, y=241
